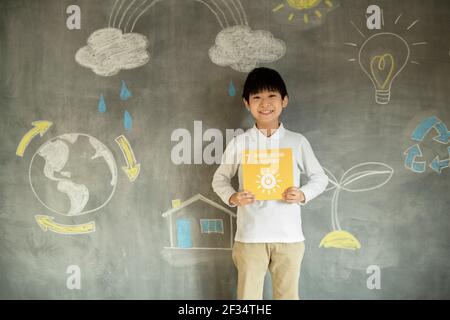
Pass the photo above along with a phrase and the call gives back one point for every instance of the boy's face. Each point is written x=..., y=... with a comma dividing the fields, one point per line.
x=266, y=106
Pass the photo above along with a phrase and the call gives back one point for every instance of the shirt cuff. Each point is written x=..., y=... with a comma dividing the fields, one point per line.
x=307, y=195
x=226, y=198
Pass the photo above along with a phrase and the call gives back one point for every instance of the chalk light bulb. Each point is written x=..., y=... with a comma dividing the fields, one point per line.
x=382, y=57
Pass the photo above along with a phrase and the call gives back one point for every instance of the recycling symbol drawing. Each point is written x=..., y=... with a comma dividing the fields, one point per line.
x=414, y=153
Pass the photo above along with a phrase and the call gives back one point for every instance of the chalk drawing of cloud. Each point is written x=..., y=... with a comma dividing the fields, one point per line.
x=243, y=49
x=109, y=50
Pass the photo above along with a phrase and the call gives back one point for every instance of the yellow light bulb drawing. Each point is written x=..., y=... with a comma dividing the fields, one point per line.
x=382, y=57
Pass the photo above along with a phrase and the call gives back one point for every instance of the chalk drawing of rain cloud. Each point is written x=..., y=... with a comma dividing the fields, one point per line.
x=109, y=50
x=117, y=47
x=243, y=49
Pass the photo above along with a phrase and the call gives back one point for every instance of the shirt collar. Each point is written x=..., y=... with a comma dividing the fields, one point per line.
x=279, y=133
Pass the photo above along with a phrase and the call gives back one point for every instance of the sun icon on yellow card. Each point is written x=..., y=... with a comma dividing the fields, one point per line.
x=306, y=8
x=267, y=173
x=268, y=181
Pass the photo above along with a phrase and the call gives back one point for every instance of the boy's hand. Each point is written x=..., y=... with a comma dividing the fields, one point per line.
x=242, y=198
x=293, y=195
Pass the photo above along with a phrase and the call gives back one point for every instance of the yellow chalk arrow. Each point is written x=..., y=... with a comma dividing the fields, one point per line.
x=40, y=127
x=132, y=169
x=47, y=223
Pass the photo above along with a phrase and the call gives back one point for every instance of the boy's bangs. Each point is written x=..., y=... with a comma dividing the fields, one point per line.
x=263, y=87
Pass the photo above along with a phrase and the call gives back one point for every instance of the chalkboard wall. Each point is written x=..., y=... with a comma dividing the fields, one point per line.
x=114, y=114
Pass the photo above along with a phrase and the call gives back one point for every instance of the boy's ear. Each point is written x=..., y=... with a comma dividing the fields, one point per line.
x=285, y=101
x=246, y=103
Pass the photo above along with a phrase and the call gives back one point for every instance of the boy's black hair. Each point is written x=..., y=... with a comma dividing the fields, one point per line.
x=260, y=79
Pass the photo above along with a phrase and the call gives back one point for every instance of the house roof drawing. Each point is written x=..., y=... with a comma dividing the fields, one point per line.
x=195, y=198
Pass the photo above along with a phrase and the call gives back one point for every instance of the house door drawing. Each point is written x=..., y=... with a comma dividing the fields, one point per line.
x=184, y=233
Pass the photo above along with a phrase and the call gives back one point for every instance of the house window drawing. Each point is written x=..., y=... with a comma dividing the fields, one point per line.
x=211, y=225
x=200, y=224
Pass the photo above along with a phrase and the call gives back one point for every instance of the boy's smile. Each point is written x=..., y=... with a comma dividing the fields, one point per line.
x=266, y=107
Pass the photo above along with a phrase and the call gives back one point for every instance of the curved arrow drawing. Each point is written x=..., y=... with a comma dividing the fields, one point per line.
x=46, y=223
x=40, y=127
x=437, y=165
x=133, y=168
x=444, y=134
x=423, y=128
x=426, y=125
x=411, y=154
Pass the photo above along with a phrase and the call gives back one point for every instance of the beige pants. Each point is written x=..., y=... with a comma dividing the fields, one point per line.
x=283, y=261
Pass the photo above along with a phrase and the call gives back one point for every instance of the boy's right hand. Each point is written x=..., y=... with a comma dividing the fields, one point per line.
x=242, y=198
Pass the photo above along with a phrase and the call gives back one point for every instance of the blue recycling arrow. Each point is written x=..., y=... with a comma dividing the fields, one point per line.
x=424, y=127
x=444, y=134
x=437, y=165
x=410, y=163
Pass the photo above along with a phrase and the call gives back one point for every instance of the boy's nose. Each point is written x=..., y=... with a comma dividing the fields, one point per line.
x=265, y=103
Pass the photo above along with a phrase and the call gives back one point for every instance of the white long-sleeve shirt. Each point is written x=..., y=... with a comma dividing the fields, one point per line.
x=269, y=221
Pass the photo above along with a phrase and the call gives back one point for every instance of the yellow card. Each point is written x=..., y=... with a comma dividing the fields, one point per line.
x=268, y=172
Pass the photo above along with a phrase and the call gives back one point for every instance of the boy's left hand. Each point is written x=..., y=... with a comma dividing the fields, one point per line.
x=293, y=195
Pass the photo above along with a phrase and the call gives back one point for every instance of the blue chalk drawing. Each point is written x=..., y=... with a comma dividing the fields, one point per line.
x=410, y=162
x=124, y=92
x=231, y=89
x=444, y=134
x=437, y=165
x=184, y=233
x=127, y=120
x=211, y=225
x=204, y=225
x=423, y=128
x=419, y=133
x=101, y=104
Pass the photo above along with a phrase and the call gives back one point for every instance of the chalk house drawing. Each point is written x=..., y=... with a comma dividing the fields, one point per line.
x=382, y=57
x=339, y=238
x=117, y=47
x=198, y=232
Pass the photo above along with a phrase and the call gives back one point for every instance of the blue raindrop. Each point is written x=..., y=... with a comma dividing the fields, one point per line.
x=231, y=89
x=127, y=121
x=101, y=104
x=124, y=92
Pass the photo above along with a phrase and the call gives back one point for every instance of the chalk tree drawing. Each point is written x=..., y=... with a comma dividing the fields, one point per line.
x=190, y=232
x=382, y=57
x=116, y=47
x=420, y=132
x=311, y=13
x=339, y=238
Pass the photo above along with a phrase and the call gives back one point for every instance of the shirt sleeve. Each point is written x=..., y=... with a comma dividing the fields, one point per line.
x=228, y=167
x=317, y=179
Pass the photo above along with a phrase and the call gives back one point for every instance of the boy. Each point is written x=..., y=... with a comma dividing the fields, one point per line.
x=269, y=232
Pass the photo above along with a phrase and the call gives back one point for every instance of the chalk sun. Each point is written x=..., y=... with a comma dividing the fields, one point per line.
x=304, y=7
